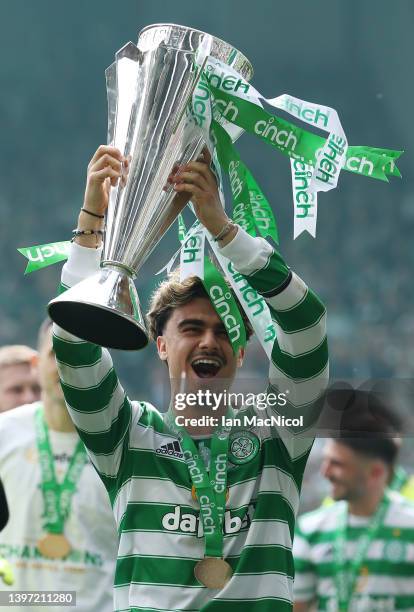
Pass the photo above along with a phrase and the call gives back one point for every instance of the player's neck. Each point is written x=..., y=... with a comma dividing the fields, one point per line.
x=56, y=414
x=366, y=505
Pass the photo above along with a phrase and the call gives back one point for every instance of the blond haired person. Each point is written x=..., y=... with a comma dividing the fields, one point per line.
x=19, y=383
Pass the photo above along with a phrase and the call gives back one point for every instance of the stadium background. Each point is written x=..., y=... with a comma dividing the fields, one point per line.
x=354, y=56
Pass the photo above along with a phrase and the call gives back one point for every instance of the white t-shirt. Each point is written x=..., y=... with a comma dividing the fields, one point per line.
x=90, y=526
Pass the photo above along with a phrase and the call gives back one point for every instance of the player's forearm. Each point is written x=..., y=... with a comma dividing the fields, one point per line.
x=299, y=314
x=251, y=257
x=95, y=399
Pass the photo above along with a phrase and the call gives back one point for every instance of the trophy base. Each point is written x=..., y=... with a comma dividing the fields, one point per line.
x=103, y=309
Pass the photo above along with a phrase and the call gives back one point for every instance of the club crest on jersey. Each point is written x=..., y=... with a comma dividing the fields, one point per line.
x=243, y=447
x=395, y=551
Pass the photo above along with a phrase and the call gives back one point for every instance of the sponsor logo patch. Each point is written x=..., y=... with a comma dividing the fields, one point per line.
x=171, y=449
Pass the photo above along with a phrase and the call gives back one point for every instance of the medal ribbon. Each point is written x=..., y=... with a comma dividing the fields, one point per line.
x=56, y=497
x=210, y=487
x=399, y=480
x=346, y=579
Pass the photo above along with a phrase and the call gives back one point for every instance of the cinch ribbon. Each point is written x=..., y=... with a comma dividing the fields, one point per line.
x=44, y=255
x=239, y=104
x=346, y=579
x=210, y=487
x=56, y=497
x=194, y=263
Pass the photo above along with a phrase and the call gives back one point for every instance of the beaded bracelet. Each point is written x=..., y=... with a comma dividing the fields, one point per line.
x=224, y=231
x=88, y=232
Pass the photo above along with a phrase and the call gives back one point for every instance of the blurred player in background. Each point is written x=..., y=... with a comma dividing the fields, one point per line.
x=401, y=480
x=358, y=553
x=61, y=532
x=19, y=382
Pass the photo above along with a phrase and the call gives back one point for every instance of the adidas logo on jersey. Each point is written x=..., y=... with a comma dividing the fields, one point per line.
x=172, y=449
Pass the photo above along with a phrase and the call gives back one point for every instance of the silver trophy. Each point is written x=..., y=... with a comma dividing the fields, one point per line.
x=148, y=88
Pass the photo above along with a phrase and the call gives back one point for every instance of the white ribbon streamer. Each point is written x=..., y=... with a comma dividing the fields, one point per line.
x=192, y=254
x=305, y=203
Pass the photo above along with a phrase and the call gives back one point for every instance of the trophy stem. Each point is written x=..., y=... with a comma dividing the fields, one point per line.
x=117, y=265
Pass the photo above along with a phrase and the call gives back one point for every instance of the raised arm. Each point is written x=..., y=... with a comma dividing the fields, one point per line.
x=299, y=363
x=95, y=399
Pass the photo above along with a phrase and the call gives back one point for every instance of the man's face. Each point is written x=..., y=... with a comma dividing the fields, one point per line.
x=347, y=471
x=197, y=348
x=48, y=374
x=19, y=384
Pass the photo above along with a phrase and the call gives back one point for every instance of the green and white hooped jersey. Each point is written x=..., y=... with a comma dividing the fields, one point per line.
x=142, y=465
x=386, y=579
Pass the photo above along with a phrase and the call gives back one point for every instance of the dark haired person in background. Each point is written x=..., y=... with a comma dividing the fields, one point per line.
x=358, y=553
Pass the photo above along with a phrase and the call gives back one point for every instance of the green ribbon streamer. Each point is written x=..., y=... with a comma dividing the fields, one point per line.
x=225, y=305
x=44, y=255
x=251, y=209
x=262, y=212
x=221, y=298
x=235, y=169
x=56, y=497
x=298, y=143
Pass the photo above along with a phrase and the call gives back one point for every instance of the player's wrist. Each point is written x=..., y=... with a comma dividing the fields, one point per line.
x=227, y=233
x=90, y=222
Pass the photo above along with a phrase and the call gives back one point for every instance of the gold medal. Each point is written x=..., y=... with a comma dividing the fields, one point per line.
x=363, y=579
x=213, y=572
x=194, y=494
x=31, y=455
x=54, y=546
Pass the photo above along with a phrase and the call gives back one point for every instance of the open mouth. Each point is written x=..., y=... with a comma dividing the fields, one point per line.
x=206, y=367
